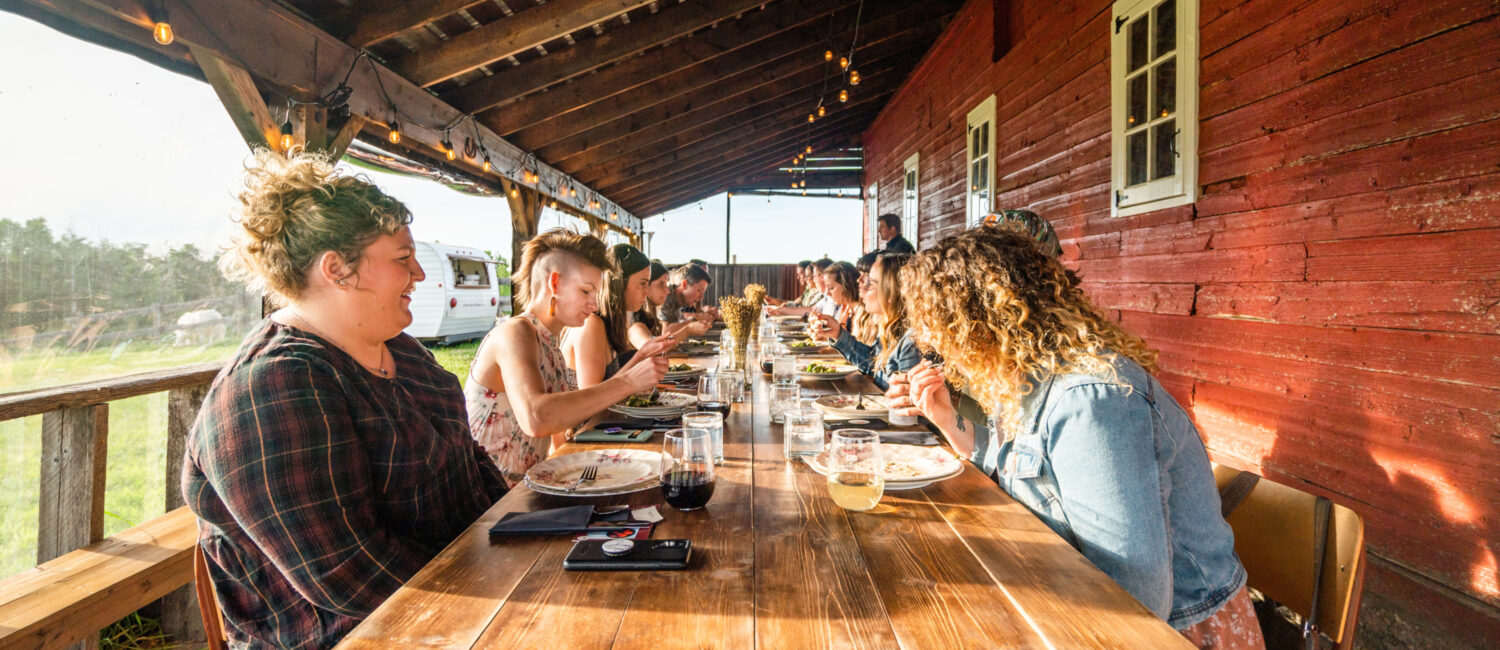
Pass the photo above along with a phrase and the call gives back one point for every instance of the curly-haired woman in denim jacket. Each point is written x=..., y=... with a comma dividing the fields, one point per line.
x=1077, y=429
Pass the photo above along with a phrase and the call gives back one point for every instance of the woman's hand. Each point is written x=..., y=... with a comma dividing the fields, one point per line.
x=698, y=328
x=647, y=373
x=923, y=391
x=655, y=347
x=826, y=327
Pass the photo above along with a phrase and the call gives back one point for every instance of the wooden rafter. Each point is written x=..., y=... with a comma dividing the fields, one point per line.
x=365, y=23
x=507, y=37
x=671, y=22
x=692, y=63
x=237, y=92
x=799, y=62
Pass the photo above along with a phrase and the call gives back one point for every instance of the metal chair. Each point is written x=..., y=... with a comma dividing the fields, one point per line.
x=1274, y=537
x=208, y=602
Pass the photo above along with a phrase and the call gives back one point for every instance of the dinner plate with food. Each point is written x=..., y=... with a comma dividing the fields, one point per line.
x=907, y=467
x=680, y=371
x=847, y=406
x=663, y=404
x=805, y=347
x=618, y=471
x=825, y=370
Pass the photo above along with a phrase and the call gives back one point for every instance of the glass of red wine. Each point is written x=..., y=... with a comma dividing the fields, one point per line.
x=711, y=395
x=687, y=468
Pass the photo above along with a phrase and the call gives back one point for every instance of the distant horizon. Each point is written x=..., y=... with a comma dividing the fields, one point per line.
x=151, y=157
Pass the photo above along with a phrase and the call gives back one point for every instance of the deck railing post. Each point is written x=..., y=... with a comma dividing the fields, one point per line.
x=179, y=609
x=70, y=513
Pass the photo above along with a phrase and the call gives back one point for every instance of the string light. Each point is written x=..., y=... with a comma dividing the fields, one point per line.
x=809, y=148
x=844, y=62
x=515, y=193
x=811, y=117
x=161, y=30
x=828, y=55
x=395, y=135
x=822, y=111
x=487, y=165
x=843, y=95
x=854, y=77
x=286, y=133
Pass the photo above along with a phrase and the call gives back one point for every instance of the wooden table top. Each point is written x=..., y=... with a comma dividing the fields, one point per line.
x=776, y=564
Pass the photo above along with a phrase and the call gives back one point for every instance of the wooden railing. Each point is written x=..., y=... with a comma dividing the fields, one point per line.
x=83, y=581
x=780, y=280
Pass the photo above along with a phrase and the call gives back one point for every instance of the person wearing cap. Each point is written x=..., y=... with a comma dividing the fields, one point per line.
x=601, y=347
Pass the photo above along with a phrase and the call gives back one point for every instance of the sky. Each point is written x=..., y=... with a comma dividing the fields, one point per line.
x=113, y=148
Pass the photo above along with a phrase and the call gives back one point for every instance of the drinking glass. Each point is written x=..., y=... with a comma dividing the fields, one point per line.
x=687, y=468
x=710, y=397
x=713, y=423
x=784, y=397
x=767, y=333
x=732, y=385
x=784, y=367
x=803, y=433
x=856, y=478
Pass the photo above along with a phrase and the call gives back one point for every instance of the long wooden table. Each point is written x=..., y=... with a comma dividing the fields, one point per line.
x=776, y=564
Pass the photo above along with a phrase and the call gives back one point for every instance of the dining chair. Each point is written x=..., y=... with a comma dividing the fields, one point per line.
x=208, y=602
x=1274, y=535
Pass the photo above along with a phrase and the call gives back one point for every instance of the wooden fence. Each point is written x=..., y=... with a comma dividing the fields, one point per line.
x=780, y=280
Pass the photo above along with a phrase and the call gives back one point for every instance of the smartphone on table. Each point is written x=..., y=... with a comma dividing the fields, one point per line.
x=629, y=555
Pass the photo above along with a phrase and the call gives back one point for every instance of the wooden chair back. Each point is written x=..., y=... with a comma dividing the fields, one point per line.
x=208, y=602
x=1273, y=535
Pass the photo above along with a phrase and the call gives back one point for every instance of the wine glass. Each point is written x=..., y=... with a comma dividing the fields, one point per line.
x=687, y=468
x=713, y=423
x=711, y=396
x=856, y=473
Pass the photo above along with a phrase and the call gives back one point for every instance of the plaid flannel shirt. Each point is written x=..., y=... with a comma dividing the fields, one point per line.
x=321, y=488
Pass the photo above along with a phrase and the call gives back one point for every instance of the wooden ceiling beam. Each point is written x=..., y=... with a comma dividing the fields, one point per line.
x=698, y=188
x=507, y=37
x=367, y=22
x=670, y=23
x=732, y=131
x=782, y=97
x=747, y=158
x=705, y=61
x=602, y=123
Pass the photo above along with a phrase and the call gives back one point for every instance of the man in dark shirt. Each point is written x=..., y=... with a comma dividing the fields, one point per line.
x=888, y=229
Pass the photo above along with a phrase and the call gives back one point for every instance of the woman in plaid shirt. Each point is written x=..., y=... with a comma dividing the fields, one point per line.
x=331, y=459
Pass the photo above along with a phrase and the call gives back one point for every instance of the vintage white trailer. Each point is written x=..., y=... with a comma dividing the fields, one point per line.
x=460, y=298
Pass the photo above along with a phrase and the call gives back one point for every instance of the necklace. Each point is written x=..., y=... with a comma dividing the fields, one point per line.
x=380, y=369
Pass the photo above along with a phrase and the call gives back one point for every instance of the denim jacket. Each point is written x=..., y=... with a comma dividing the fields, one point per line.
x=1118, y=470
x=863, y=357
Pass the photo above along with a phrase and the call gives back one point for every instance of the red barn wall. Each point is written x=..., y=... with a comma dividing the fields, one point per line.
x=1329, y=310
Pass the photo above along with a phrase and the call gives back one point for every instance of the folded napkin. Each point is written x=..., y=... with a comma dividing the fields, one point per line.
x=570, y=519
x=923, y=438
x=615, y=434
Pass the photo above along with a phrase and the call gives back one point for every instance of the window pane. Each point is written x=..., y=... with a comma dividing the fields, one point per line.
x=974, y=144
x=1166, y=28
x=984, y=138
x=1136, y=52
x=1164, y=77
x=983, y=180
x=1135, y=102
x=974, y=176
x=1164, y=161
x=1135, y=158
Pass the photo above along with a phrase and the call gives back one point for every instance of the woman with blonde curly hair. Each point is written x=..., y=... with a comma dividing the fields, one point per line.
x=1078, y=430
x=331, y=458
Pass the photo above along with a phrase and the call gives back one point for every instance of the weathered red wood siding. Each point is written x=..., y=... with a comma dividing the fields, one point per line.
x=1329, y=310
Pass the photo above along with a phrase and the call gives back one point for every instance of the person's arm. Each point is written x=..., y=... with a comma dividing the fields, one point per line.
x=638, y=334
x=860, y=355
x=591, y=353
x=291, y=469
x=540, y=413
x=1102, y=452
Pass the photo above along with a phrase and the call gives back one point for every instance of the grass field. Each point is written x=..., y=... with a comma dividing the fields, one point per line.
x=135, y=480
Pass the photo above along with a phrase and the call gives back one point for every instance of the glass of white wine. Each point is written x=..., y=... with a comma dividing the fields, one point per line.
x=856, y=478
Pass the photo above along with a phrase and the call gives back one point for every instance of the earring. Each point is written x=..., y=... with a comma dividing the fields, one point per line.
x=552, y=306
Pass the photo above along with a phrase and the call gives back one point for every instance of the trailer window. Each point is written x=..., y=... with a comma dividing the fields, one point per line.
x=470, y=274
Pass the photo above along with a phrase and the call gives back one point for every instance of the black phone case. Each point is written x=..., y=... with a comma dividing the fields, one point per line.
x=648, y=555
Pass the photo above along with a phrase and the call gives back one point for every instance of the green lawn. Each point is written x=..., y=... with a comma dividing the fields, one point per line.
x=135, y=483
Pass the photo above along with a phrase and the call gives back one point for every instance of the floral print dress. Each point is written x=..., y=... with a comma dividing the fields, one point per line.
x=493, y=422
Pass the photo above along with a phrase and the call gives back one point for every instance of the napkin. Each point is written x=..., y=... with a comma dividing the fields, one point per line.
x=570, y=519
x=614, y=434
x=923, y=438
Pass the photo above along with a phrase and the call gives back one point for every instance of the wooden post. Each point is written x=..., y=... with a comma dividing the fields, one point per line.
x=525, y=215
x=179, y=609
x=70, y=513
x=237, y=91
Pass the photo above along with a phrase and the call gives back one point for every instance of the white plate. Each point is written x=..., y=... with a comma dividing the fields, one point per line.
x=619, y=469
x=906, y=466
x=603, y=493
x=674, y=375
x=844, y=370
x=843, y=406
x=672, y=405
x=811, y=349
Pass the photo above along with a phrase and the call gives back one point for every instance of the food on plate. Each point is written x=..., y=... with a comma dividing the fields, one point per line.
x=642, y=401
x=821, y=369
x=803, y=345
x=679, y=367
x=895, y=469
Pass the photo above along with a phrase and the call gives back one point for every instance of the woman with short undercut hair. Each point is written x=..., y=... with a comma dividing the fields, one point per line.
x=331, y=458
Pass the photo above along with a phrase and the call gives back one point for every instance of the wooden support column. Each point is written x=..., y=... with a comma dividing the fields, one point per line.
x=75, y=444
x=237, y=91
x=179, y=609
x=525, y=216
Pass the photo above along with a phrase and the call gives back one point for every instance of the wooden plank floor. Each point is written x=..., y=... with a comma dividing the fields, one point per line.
x=778, y=565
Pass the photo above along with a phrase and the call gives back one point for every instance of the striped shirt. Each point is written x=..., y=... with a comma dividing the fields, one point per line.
x=321, y=488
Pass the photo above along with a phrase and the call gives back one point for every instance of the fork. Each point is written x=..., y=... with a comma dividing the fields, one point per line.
x=588, y=474
x=860, y=406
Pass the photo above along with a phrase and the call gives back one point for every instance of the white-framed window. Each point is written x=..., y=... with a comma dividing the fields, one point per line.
x=1154, y=105
x=910, y=177
x=980, y=146
x=872, y=210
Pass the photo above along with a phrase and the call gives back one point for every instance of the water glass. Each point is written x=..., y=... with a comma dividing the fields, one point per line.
x=687, y=469
x=856, y=478
x=784, y=368
x=713, y=423
x=710, y=397
x=767, y=332
x=732, y=385
x=784, y=397
x=803, y=433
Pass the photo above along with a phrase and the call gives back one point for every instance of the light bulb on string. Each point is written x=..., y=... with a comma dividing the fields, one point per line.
x=844, y=62
x=487, y=165
x=809, y=148
x=162, y=32
x=843, y=96
x=395, y=135
x=515, y=193
x=822, y=111
x=804, y=182
x=286, y=135
x=828, y=55
x=854, y=77
x=811, y=117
